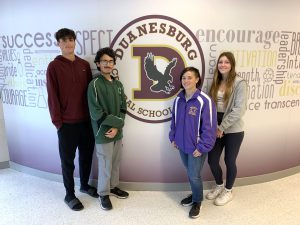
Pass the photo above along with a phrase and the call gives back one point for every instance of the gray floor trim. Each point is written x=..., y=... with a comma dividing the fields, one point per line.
x=4, y=165
x=143, y=186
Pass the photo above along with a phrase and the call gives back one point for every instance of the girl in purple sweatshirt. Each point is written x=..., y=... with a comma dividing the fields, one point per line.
x=193, y=132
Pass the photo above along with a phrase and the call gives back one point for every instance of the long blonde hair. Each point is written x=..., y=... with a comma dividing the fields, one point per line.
x=218, y=78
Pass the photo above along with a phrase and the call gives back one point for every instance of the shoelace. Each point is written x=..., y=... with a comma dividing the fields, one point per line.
x=224, y=193
x=217, y=189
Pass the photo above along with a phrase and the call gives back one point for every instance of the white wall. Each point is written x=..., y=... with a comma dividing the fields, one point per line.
x=263, y=35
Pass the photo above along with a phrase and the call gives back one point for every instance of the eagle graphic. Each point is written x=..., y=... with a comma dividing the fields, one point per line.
x=161, y=82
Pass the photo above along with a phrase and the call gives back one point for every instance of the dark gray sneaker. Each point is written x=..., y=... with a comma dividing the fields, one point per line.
x=117, y=192
x=187, y=201
x=105, y=202
x=195, y=210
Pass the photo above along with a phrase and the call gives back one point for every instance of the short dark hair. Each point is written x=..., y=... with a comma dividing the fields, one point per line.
x=64, y=33
x=195, y=71
x=105, y=51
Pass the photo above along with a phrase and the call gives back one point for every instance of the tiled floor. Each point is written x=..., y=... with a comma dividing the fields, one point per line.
x=26, y=199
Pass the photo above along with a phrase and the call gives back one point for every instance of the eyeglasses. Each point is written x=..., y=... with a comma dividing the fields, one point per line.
x=105, y=62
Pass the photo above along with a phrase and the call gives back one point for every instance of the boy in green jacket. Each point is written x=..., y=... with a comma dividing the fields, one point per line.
x=107, y=105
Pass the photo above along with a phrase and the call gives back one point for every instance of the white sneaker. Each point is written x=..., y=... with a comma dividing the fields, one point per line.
x=215, y=192
x=225, y=197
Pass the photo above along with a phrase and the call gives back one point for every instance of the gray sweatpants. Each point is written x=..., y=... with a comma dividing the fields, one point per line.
x=109, y=156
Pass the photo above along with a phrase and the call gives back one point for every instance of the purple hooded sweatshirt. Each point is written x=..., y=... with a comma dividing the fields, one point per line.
x=194, y=123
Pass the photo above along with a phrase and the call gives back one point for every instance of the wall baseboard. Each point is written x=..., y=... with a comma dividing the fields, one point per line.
x=4, y=165
x=145, y=186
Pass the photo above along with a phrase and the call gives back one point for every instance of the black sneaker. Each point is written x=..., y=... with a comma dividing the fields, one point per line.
x=117, y=192
x=187, y=201
x=105, y=202
x=195, y=210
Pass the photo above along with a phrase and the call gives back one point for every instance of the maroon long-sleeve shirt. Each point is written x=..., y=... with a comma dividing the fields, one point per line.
x=67, y=83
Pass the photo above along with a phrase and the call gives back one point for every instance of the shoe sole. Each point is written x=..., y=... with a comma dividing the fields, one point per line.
x=118, y=196
x=221, y=204
x=195, y=217
x=106, y=209
x=188, y=204
x=209, y=198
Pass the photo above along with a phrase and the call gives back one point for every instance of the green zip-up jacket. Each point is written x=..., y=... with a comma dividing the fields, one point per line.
x=107, y=105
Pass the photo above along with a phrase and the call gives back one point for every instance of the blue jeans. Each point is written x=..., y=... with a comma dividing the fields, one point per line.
x=194, y=166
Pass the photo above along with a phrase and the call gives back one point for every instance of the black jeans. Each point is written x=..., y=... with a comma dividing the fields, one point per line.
x=231, y=143
x=71, y=137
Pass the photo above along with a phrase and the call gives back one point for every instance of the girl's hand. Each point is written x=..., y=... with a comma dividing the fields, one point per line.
x=220, y=134
x=197, y=153
x=174, y=145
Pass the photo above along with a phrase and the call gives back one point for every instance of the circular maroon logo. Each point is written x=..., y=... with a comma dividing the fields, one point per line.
x=151, y=52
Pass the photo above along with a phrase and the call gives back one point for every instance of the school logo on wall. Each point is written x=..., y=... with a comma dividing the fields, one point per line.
x=151, y=52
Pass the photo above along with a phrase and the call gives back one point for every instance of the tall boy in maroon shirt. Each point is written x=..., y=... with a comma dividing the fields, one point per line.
x=68, y=77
